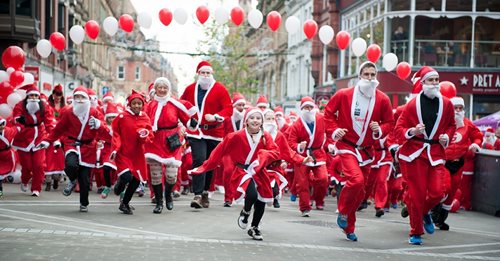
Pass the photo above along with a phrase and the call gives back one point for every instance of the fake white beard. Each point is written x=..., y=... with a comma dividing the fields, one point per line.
x=281, y=122
x=459, y=118
x=368, y=87
x=32, y=106
x=80, y=109
x=205, y=82
x=490, y=139
x=309, y=116
x=270, y=127
x=238, y=115
x=431, y=91
x=93, y=101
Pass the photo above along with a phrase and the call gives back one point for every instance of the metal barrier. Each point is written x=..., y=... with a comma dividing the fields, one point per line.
x=486, y=183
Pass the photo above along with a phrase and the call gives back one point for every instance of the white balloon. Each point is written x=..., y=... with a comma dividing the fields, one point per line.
x=21, y=93
x=5, y=110
x=110, y=25
x=326, y=34
x=255, y=18
x=358, y=46
x=28, y=79
x=4, y=76
x=390, y=61
x=77, y=34
x=180, y=15
x=292, y=24
x=144, y=20
x=221, y=15
x=10, y=70
x=44, y=48
x=13, y=99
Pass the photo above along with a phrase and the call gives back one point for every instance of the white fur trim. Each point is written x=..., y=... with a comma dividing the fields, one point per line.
x=81, y=93
x=33, y=92
x=206, y=68
x=428, y=75
x=457, y=101
x=307, y=103
x=263, y=104
x=111, y=115
x=239, y=101
x=166, y=161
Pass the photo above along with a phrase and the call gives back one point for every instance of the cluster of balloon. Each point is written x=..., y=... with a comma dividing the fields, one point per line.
x=13, y=58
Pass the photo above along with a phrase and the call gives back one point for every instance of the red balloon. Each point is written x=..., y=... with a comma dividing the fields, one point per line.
x=310, y=28
x=237, y=15
x=127, y=23
x=448, y=89
x=273, y=20
x=13, y=57
x=373, y=53
x=5, y=90
x=16, y=78
x=92, y=29
x=58, y=41
x=202, y=13
x=343, y=39
x=403, y=70
x=165, y=16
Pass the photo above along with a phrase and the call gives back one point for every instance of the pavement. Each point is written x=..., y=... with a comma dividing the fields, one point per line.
x=50, y=227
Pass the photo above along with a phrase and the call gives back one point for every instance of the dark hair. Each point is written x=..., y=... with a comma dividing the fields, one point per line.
x=62, y=103
x=40, y=103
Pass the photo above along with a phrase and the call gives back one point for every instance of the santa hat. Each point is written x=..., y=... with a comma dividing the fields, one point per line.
x=31, y=89
x=457, y=101
x=111, y=110
x=69, y=99
x=108, y=96
x=420, y=76
x=80, y=90
x=91, y=92
x=262, y=102
x=43, y=97
x=306, y=100
x=238, y=98
x=251, y=111
x=58, y=88
x=205, y=66
x=267, y=111
x=366, y=64
x=279, y=111
x=135, y=95
x=151, y=89
x=490, y=131
x=293, y=114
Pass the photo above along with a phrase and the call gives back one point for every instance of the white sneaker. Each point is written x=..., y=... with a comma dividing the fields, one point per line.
x=35, y=193
x=24, y=187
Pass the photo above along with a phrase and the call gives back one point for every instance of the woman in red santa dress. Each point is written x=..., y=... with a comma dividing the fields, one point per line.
x=131, y=130
x=252, y=150
x=165, y=112
x=54, y=155
x=7, y=153
x=34, y=120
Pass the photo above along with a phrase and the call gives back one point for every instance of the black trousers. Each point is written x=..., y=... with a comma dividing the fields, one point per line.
x=107, y=176
x=251, y=199
x=201, y=150
x=75, y=171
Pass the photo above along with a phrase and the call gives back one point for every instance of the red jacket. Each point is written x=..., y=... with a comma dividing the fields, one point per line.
x=7, y=153
x=32, y=132
x=216, y=102
x=412, y=148
x=463, y=138
x=300, y=132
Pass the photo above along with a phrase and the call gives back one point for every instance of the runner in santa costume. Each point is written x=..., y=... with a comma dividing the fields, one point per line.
x=306, y=136
x=34, y=120
x=276, y=169
x=7, y=153
x=491, y=142
x=165, y=112
x=280, y=119
x=232, y=124
x=78, y=128
x=131, y=130
x=262, y=103
x=214, y=105
x=424, y=129
x=467, y=137
x=356, y=117
x=251, y=149
x=463, y=195
x=54, y=157
x=107, y=167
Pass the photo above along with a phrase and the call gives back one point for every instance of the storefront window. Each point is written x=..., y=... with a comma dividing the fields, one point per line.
x=488, y=5
x=462, y=5
x=4, y=7
x=429, y=5
x=399, y=37
x=399, y=5
x=23, y=7
x=487, y=48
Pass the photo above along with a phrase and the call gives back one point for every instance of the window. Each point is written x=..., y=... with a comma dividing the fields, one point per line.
x=120, y=72
x=488, y=6
x=61, y=18
x=23, y=7
x=400, y=5
x=4, y=8
x=48, y=18
x=137, y=73
x=429, y=5
x=462, y=5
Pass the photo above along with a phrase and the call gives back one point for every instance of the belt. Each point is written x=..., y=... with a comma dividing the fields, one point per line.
x=312, y=154
x=80, y=142
x=209, y=126
x=6, y=148
x=274, y=164
x=167, y=128
x=381, y=149
x=426, y=140
x=365, y=149
x=31, y=125
x=242, y=166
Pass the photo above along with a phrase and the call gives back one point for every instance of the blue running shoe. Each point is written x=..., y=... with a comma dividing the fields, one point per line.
x=415, y=240
x=293, y=198
x=394, y=206
x=342, y=221
x=428, y=224
x=351, y=237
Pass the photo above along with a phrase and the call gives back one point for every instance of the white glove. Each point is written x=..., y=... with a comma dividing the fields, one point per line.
x=474, y=147
x=42, y=145
x=94, y=123
x=57, y=144
x=331, y=148
x=209, y=117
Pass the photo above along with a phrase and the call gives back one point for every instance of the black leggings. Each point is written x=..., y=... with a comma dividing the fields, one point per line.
x=133, y=183
x=74, y=171
x=251, y=198
x=107, y=175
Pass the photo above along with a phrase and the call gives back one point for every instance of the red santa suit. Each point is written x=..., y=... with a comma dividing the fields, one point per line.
x=250, y=159
x=349, y=109
x=130, y=133
x=54, y=157
x=104, y=149
x=33, y=129
x=299, y=132
x=7, y=153
x=422, y=155
x=490, y=141
x=380, y=171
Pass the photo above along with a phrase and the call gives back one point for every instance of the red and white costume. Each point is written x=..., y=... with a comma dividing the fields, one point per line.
x=54, y=157
x=380, y=172
x=491, y=142
x=7, y=153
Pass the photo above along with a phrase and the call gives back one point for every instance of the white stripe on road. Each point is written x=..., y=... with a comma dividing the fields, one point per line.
x=477, y=252
x=447, y=247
